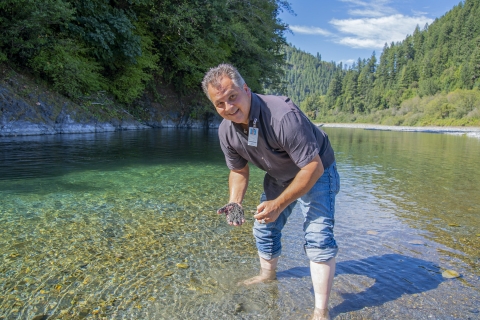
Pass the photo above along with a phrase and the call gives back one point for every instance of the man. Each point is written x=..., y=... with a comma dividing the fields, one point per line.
x=273, y=134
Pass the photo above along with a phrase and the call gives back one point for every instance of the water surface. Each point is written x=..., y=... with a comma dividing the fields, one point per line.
x=123, y=225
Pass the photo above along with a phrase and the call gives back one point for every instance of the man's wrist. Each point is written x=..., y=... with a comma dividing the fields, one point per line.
x=280, y=203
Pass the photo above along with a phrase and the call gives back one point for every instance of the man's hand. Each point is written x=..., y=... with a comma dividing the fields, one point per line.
x=234, y=213
x=267, y=212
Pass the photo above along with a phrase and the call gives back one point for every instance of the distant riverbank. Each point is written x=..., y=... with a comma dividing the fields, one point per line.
x=468, y=131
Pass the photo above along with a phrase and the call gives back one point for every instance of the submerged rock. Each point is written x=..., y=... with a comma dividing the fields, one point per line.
x=449, y=274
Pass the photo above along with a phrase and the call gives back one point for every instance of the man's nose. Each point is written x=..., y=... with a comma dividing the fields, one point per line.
x=228, y=106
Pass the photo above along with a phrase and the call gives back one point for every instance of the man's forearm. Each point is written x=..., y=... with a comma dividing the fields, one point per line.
x=238, y=183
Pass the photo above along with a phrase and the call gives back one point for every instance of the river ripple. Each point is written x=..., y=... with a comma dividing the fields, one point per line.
x=123, y=225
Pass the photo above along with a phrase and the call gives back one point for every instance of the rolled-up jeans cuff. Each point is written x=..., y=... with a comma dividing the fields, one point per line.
x=268, y=256
x=321, y=254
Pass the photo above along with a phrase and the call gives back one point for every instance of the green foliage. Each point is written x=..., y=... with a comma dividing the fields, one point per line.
x=314, y=106
x=28, y=25
x=305, y=75
x=130, y=80
x=3, y=57
x=457, y=108
x=334, y=89
x=427, y=87
x=440, y=61
x=185, y=42
x=69, y=68
x=81, y=46
x=108, y=30
x=197, y=35
x=439, y=58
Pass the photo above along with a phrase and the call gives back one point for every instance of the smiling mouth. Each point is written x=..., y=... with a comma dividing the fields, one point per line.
x=232, y=114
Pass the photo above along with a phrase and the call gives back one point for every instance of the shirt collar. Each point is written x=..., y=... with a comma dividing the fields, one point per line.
x=254, y=112
x=254, y=109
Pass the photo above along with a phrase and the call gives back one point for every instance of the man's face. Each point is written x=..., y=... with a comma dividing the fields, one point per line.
x=231, y=102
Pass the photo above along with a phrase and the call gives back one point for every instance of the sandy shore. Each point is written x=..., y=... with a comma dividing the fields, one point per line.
x=468, y=131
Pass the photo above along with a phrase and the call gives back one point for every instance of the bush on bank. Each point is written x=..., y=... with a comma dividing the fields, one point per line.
x=456, y=108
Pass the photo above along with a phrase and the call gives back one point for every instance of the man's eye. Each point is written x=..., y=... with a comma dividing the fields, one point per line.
x=220, y=105
x=233, y=96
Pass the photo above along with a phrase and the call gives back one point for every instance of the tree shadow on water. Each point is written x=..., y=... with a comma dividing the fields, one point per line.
x=394, y=275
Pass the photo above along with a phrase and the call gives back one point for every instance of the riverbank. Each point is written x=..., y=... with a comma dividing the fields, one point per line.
x=468, y=131
x=28, y=108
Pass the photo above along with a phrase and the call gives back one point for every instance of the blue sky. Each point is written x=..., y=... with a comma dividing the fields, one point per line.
x=345, y=30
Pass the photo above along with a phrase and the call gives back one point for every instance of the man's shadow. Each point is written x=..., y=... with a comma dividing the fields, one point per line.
x=394, y=275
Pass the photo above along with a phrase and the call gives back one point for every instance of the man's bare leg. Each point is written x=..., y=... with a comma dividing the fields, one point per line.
x=322, y=279
x=268, y=271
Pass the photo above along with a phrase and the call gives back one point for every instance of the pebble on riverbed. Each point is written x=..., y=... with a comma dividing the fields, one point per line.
x=449, y=274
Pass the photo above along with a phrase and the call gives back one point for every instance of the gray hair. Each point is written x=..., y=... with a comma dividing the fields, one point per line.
x=214, y=75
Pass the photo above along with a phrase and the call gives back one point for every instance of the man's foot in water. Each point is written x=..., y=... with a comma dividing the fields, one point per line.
x=264, y=276
x=320, y=314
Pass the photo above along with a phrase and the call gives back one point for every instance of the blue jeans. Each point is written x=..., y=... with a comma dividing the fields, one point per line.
x=318, y=209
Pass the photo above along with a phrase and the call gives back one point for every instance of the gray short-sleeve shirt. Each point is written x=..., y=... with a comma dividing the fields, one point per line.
x=287, y=141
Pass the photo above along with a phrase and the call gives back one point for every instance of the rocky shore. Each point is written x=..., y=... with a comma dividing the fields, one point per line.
x=26, y=111
x=468, y=131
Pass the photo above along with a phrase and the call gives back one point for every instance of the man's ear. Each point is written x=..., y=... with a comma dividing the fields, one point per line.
x=246, y=88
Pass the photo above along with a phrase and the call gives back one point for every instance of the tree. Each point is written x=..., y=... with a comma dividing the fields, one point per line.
x=119, y=46
x=305, y=75
x=334, y=89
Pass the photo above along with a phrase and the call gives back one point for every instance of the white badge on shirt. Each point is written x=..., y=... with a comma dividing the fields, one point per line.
x=253, y=134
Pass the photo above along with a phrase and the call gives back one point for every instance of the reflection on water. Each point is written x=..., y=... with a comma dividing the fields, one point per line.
x=432, y=180
x=123, y=226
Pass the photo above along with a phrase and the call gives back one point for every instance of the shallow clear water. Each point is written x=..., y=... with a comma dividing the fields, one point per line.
x=123, y=226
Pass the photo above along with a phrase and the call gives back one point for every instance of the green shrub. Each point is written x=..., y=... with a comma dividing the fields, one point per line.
x=3, y=57
x=29, y=25
x=427, y=87
x=68, y=67
x=412, y=119
x=129, y=82
x=474, y=117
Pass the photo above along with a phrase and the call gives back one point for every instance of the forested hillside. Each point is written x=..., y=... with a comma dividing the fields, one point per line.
x=431, y=77
x=305, y=75
x=124, y=48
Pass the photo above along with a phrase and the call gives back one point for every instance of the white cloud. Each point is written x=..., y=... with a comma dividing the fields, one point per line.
x=419, y=13
x=372, y=23
x=365, y=13
x=375, y=32
x=310, y=30
x=347, y=62
x=361, y=43
x=375, y=8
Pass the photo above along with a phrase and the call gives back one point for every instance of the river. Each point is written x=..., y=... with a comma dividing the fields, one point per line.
x=122, y=225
